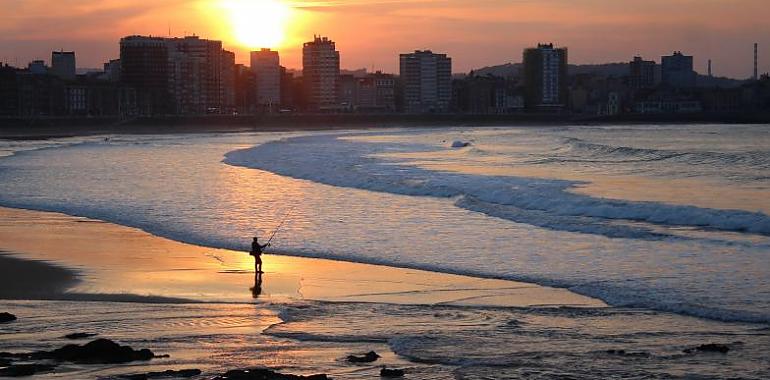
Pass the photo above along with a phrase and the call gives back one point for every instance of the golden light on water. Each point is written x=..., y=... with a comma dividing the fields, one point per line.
x=258, y=23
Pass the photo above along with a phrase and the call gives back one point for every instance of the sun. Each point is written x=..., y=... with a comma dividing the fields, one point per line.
x=258, y=23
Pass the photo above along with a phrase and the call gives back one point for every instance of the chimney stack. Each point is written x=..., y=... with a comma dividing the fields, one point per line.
x=755, y=61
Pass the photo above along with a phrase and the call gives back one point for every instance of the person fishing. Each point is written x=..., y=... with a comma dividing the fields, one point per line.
x=256, y=251
x=256, y=248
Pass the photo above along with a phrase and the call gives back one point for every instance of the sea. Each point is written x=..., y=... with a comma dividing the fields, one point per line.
x=667, y=224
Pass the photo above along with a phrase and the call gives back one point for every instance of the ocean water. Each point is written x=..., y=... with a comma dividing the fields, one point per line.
x=670, y=218
x=664, y=223
x=428, y=342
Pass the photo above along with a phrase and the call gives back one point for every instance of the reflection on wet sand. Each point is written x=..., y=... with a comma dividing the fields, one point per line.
x=256, y=290
x=115, y=260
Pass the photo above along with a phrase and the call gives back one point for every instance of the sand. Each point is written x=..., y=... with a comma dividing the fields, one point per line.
x=25, y=279
x=119, y=263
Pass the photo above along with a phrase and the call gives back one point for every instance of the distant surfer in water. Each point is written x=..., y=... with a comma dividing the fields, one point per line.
x=256, y=251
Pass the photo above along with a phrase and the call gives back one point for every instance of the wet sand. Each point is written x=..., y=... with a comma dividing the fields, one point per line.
x=26, y=279
x=119, y=263
x=197, y=305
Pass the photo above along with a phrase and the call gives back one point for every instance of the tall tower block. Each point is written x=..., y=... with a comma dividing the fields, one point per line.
x=756, y=46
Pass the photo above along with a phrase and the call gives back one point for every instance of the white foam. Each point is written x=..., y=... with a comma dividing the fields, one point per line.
x=331, y=161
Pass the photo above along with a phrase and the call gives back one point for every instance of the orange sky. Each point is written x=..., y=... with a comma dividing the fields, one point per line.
x=369, y=34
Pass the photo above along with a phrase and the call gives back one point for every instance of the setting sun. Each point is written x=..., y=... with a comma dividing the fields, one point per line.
x=258, y=23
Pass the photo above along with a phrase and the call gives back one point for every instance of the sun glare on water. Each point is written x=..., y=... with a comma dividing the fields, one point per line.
x=258, y=23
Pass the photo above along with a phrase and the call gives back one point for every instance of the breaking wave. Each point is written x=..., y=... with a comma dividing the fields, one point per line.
x=578, y=150
x=540, y=202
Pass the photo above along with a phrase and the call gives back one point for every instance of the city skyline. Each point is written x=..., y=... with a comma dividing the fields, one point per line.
x=372, y=34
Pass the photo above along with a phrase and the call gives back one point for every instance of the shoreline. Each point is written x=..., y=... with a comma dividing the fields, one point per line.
x=166, y=270
x=58, y=127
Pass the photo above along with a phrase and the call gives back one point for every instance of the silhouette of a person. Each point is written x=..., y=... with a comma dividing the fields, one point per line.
x=256, y=290
x=256, y=251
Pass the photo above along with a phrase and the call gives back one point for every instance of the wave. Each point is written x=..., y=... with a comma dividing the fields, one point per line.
x=540, y=202
x=578, y=150
x=663, y=300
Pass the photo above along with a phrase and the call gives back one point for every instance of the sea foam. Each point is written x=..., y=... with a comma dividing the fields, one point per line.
x=542, y=202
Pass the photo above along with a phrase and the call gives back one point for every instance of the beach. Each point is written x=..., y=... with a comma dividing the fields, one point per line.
x=199, y=306
x=529, y=253
x=108, y=260
x=100, y=274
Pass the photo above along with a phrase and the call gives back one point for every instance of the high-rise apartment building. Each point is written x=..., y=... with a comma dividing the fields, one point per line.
x=266, y=65
x=228, y=81
x=288, y=89
x=183, y=76
x=545, y=78
x=195, y=67
x=144, y=63
x=245, y=89
x=320, y=71
x=427, y=81
x=63, y=64
x=677, y=70
x=641, y=74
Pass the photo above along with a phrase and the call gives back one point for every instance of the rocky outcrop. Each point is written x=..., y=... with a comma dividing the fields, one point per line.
x=7, y=317
x=175, y=374
x=391, y=372
x=25, y=370
x=709, y=347
x=624, y=353
x=264, y=374
x=365, y=358
x=100, y=351
x=80, y=335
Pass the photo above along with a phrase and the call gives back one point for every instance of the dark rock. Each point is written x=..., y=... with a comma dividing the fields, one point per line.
x=100, y=351
x=7, y=317
x=25, y=370
x=80, y=335
x=264, y=374
x=391, y=372
x=4, y=362
x=182, y=373
x=10, y=355
x=366, y=358
x=626, y=354
x=710, y=347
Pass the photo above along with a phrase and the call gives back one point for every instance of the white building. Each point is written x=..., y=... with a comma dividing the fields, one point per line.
x=427, y=79
x=545, y=77
x=266, y=66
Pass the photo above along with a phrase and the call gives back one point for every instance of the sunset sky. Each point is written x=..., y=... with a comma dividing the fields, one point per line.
x=371, y=33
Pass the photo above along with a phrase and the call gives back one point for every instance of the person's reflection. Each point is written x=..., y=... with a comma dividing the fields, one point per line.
x=256, y=290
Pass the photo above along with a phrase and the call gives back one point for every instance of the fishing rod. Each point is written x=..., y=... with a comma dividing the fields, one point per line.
x=285, y=218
